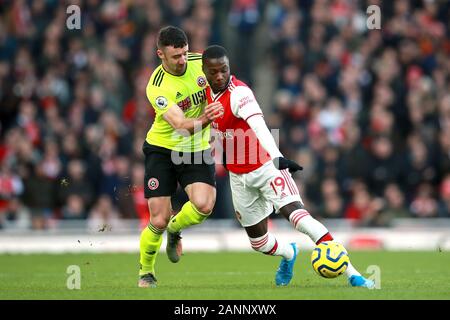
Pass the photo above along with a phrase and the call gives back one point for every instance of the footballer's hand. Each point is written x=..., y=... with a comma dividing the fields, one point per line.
x=283, y=163
x=214, y=111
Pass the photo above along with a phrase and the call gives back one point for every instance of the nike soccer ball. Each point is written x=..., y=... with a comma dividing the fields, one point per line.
x=329, y=259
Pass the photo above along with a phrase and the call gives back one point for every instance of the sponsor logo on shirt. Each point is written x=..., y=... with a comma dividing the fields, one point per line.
x=244, y=101
x=199, y=97
x=195, y=99
x=225, y=135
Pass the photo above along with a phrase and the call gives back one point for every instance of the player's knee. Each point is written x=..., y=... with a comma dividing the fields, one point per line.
x=159, y=222
x=204, y=204
x=159, y=214
x=288, y=209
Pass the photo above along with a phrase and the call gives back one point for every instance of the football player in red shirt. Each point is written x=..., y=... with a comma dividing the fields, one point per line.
x=260, y=177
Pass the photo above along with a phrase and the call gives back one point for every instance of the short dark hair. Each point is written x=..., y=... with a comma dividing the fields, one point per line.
x=214, y=52
x=172, y=36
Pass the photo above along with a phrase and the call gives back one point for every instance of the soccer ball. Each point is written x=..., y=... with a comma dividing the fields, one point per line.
x=329, y=259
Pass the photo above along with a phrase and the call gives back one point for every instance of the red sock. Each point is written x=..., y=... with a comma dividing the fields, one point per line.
x=326, y=237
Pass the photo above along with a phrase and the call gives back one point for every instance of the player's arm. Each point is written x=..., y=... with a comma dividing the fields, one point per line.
x=245, y=106
x=164, y=104
x=186, y=126
x=265, y=138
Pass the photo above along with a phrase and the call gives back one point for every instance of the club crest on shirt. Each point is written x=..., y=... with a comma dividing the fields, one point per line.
x=201, y=81
x=161, y=102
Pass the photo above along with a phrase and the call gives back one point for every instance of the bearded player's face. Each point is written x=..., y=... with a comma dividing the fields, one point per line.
x=217, y=72
x=174, y=59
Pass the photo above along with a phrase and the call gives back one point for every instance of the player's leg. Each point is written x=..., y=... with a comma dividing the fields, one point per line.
x=198, y=180
x=300, y=218
x=278, y=187
x=252, y=212
x=160, y=184
x=151, y=238
x=265, y=242
x=202, y=198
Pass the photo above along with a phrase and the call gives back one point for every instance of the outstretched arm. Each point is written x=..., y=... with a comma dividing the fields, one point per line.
x=186, y=126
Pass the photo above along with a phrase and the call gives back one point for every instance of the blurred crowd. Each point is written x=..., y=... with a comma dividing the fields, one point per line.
x=74, y=113
x=365, y=112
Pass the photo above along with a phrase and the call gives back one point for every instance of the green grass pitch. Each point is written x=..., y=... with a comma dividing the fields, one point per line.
x=220, y=276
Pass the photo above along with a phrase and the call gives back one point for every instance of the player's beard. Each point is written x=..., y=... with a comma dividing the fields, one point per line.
x=175, y=69
x=222, y=86
x=180, y=69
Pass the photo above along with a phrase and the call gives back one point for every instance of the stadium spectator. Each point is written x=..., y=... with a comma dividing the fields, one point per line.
x=364, y=208
x=39, y=196
x=74, y=208
x=103, y=215
x=76, y=184
x=332, y=203
x=444, y=205
x=137, y=193
x=424, y=204
x=11, y=187
x=394, y=204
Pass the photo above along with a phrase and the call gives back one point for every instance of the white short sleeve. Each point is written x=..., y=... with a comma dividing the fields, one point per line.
x=243, y=103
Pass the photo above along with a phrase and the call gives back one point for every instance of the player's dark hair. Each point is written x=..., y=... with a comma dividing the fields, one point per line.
x=172, y=36
x=214, y=52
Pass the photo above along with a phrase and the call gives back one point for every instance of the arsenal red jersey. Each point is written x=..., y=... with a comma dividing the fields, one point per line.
x=243, y=152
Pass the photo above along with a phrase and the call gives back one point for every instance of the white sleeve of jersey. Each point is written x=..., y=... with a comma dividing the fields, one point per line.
x=264, y=136
x=243, y=103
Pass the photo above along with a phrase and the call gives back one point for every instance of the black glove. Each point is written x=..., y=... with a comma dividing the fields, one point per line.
x=283, y=163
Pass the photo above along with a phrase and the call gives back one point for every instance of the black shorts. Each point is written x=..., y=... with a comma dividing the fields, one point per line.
x=165, y=168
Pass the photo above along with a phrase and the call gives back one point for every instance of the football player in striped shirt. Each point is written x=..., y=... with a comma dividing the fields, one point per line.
x=176, y=149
